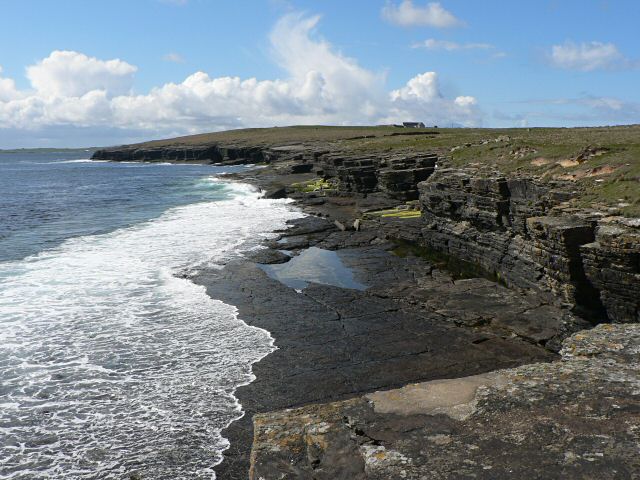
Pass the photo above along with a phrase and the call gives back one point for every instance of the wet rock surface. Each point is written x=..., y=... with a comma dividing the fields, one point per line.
x=414, y=322
x=577, y=418
x=334, y=343
x=268, y=256
x=420, y=322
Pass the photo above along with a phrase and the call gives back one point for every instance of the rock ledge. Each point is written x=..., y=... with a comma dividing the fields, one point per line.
x=577, y=418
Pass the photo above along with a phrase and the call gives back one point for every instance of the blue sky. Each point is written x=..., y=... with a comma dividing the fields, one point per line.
x=83, y=73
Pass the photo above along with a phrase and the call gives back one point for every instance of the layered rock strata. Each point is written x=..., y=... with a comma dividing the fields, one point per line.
x=517, y=229
x=612, y=265
x=514, y=226
x=214, y=154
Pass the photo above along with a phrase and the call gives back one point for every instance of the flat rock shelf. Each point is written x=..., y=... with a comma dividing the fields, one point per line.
x=527, y=422
x=335, y=343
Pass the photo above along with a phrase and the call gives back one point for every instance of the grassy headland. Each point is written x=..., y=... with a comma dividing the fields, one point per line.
x=603, y=162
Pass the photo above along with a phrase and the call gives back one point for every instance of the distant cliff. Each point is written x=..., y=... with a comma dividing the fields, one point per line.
x=213, y=154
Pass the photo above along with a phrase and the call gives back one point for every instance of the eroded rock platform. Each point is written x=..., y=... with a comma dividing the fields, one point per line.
x=337, y=343
x=577, y=418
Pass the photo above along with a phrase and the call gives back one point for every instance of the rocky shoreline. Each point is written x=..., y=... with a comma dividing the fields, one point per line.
x=468, y=272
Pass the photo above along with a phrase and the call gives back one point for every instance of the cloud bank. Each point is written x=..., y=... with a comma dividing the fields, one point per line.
x=322, y=86
x=422, y=96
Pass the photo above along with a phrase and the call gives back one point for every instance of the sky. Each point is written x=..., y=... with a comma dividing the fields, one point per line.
x=77, y=73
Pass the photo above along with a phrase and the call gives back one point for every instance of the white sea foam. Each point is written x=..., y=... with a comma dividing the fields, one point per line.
x=82, y=160
x=110, y=364
x=77, y=160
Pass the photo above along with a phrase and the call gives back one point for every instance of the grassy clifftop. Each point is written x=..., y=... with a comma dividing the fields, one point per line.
x=603, y=162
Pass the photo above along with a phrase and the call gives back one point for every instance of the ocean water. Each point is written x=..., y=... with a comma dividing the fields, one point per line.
x=112, y=365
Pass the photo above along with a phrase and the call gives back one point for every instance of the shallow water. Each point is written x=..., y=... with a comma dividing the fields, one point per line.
x=111, y=364
x=314, y=265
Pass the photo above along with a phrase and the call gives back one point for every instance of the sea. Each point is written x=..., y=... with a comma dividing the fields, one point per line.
x=113, y=364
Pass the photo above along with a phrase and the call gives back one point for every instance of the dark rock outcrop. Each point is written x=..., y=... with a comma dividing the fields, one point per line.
x=510, y=227
x=514, y=226
x=268, y=256
x=357, y=176
x=227, y=155
x=612, y=265
x=399, y=177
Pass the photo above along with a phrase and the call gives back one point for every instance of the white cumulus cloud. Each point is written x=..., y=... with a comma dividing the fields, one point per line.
x=586, y=56
x=419, y=88
x=465, y=101
x=8, y=90
x=422, y=99
x=322, y=86
x=406, y=14
x=73, y=74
